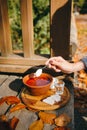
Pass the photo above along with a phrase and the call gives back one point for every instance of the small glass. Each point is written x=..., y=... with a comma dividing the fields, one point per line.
x=55, y=81
x=60, y=87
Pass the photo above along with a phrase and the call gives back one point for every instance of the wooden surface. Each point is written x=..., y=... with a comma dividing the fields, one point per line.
x=60, y=27
x=12, y=85
x=19, y=64
x=40, y=105
x=5, y=39
x=27, y=27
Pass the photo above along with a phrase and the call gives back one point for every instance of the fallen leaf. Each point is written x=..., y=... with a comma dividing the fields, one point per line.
x=62, y=120
x=36, y=125
x=13, y=122
x=17, y=107
x=47, y=117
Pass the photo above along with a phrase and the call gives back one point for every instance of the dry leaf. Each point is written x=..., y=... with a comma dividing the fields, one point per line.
x=61, y=128
x=13, y=123
x=2, y=100
x=47, y=117
x=82, y=74
x=17, y=107
x=12, y=100
x=9, y=100
x=3, y=118
x=36, y=125
x=62, y=120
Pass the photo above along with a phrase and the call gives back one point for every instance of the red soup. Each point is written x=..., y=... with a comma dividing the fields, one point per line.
x=38, y=81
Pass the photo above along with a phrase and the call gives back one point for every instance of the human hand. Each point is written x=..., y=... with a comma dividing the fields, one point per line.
x=59, y=64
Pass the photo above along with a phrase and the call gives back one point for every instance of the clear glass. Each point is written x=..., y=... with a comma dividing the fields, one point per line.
x=60, y=87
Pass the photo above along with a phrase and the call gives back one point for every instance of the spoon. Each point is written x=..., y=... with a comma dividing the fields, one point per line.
x=39, y=71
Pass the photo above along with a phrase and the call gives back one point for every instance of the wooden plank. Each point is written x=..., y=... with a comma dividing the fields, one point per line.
x=69, y=107
x=13, y=68
x=19, y=64
x=9, y=87
x=25, y=117
x=4, y=106
x=3, y=78
x=60, y=27
x=31, y=117
x=5, y=37
x=36, y=60
x=27, y=27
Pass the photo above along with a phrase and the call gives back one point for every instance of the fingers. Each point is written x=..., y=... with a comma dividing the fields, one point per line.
x=49, y=61
x=55, y=68
x=55, y=63
x=59, y=58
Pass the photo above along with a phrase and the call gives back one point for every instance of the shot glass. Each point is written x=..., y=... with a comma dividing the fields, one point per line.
x=55, y=81
x=60, y=87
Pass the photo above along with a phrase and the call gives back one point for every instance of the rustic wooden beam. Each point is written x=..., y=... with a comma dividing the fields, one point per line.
x=13, y=69
x=14, y=60
x=17, y=64
x=60, y=27
x=27, y=27
x=5, y=36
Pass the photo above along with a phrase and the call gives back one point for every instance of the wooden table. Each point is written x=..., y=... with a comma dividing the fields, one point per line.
x=11, y=85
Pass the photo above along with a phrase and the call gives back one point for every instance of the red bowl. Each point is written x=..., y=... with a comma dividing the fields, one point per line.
x=38, y=85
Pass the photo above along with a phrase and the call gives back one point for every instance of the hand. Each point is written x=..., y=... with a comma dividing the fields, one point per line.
x=59, y=64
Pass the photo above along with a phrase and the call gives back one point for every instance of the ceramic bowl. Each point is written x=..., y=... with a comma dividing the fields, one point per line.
x=38, y=85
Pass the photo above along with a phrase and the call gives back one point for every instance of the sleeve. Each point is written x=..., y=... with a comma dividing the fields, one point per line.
x=84, y=60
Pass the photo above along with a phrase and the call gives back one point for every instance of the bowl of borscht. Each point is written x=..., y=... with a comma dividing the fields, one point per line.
x=38, y=85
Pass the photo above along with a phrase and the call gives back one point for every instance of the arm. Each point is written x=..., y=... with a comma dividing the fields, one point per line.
x=78, y=66
x=84, y=60
x=60, y=64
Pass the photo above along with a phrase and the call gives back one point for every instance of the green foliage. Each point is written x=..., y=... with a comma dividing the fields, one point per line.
x=15, y=23
x=81, y=5
x=41, y=26
x=40, y=21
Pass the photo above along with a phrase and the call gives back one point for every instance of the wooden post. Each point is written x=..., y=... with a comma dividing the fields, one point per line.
x=5, y=37
x=60, y=27
x=27, y=27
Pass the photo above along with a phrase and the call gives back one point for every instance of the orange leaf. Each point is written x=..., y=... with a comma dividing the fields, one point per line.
x=17, y=107
x=36, y=125
x=2, y=100
x=61, y=128
x=12, y=100
x=47, y=117
x=13, y=123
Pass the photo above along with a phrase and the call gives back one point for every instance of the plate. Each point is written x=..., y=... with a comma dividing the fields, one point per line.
x=36, y=103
